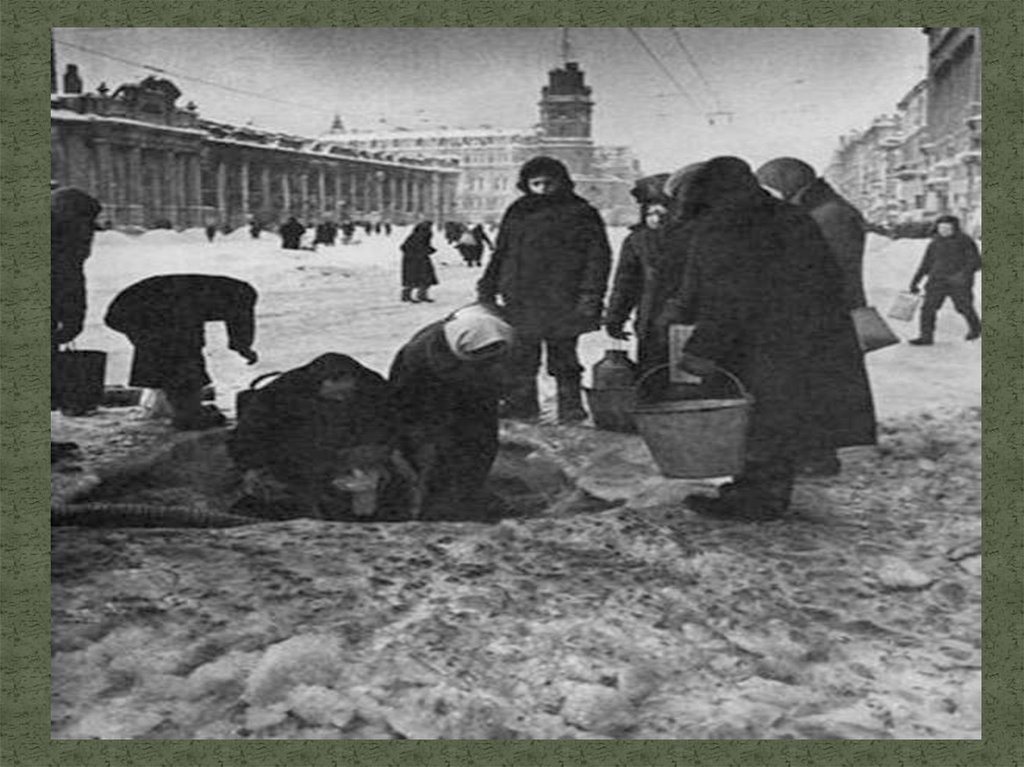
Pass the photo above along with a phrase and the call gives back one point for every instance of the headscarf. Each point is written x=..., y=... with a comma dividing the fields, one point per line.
x=786, y=175
x=474, y=328
x=947, y=219
x=676, y=187
x=545, y=166
x=419, y=236
x=723, y=180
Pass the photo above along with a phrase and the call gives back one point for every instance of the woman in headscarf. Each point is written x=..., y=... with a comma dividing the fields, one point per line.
x=768, y=307
x=550, y=267
x=446, y=383
x=314, y=434
x=417, y=269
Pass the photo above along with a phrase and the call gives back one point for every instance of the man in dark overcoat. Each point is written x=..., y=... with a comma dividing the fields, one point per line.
x=845, y=231
x=767, y=306
x=163, y=317
x=550, y=267
x=291, y=234
x=949, y=263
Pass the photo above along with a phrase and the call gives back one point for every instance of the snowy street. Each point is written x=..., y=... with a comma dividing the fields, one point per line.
x=603, y=609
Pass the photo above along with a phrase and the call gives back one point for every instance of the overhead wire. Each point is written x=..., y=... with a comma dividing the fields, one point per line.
x=660, y=64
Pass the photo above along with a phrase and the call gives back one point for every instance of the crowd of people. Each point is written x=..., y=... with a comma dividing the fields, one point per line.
x=763, y=266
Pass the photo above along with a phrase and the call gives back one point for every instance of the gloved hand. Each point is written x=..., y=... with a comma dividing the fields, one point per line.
x=614, y=329
x=700, y=366
x=914, y=289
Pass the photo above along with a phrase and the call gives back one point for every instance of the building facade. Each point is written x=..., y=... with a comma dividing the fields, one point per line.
x=931, y=147
x=489, y=158
x=152, y=163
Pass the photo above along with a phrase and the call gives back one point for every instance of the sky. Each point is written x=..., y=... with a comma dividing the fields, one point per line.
x=787, y=91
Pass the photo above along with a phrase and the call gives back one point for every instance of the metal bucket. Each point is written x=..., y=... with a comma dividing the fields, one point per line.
x=697, y=438
x=611, y=407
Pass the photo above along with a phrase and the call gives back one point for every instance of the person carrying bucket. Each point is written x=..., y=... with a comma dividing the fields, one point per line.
x=768, y=308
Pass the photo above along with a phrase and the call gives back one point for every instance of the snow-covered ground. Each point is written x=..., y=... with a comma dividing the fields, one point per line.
x=345, y=299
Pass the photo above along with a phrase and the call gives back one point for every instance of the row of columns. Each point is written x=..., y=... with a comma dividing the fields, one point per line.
x=184, y=183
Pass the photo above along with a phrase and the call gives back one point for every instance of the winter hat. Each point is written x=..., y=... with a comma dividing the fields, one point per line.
x=786, y=175
x=544, y=166
x=650, y=189
x=475, y=332
x=677, y=184
x=948, y=219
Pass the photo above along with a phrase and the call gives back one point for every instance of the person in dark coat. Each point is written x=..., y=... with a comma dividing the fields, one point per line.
x=550, y=268
x=949, y=263
x=841, y=223
x=844, y=229
x=471, y=245
x=447, y=382
x=767, y=306
x=291, y=234
x=348, y=228
x=314, y=435
x=73, y=215
x=254, y=229
x=418, y=273
x=163, y=317
x=326, y=232
x=638, y=284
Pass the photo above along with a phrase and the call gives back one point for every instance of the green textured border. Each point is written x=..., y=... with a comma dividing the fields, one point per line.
x=24, y=550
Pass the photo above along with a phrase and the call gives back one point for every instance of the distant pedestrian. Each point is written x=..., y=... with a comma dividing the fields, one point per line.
x=211, y=232
x=326, y=232
x=550, y=268
x=471, y=245
x=949, y=263
x=163, y=317
x=418, y=274
x=347, y=230
x=291, y=234
x=446, y=383
x=254, y=229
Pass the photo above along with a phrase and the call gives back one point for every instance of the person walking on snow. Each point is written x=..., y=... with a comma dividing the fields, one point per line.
x=949, y=263
x=550, y=267
x=417, y=269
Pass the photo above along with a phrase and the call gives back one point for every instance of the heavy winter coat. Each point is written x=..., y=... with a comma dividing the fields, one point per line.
x=550, y=266
x=767, y=306
x=163, y=317
x=72, y=223
x=640, y=284
x=449, y=408
x=305, y=439
x=949, y=263
x=844, y=230
x=417, y=268
x=291, y=234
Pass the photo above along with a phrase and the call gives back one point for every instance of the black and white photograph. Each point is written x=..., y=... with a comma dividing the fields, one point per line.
x=523, y=383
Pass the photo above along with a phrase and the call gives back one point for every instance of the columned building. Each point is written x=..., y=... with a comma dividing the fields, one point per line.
x=152, y=163
x=489, y=158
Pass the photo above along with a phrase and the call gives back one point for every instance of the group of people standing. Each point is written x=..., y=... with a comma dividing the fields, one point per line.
x=763, y=266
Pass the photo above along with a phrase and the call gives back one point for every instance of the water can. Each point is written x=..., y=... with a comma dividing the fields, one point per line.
x=695, y=438
x=904, y=306
x=613, y=394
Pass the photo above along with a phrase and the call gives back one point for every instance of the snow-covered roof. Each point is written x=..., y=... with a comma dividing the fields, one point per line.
x=436, y=134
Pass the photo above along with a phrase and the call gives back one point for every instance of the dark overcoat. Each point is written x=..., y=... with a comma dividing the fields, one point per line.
x=163, y=317
x=550, y=266
x=417, y=268
x=447, y=405
x=640, y=284
x=291, y=234
x=766, y=303
x=844, y=230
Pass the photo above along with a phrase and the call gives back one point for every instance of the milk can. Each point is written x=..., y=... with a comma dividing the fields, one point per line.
x=612, y=395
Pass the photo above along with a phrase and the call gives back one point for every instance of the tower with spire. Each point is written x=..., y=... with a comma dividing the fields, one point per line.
x=565, y=113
